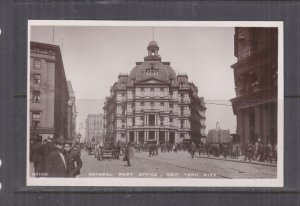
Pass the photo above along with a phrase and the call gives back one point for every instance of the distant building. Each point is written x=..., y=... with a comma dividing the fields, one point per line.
x=72, y=114
x=255, y=77
x=49, y=95
x=94, y=127
x=152, y=104
x=218, y=135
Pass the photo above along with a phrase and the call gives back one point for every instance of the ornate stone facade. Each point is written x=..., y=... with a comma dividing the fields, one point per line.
x=153, y=104
x=255, y=74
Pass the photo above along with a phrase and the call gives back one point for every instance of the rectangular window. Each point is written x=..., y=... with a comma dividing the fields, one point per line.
x=36, y=78
x=181, y=110
x=171, y=120
x=152, y=104
x=182, y=97
x=36, y=96
x=36, y=118
x=122, y=135
x=123, y=94
x=181, y=123
x=181, y=135
x=161, y=121
x=123, y=120
x=161, y=103
x=161, y=89
x=142, y=104
x=37, y=63
x=151, y=89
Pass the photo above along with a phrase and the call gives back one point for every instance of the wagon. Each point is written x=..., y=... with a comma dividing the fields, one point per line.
x=108, y=150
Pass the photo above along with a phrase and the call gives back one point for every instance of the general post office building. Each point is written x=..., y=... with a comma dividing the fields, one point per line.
x=154, y=105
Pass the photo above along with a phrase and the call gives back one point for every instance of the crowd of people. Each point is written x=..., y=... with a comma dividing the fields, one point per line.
x=60, y=158
x=55, y=158
x=258, y=151
x=261, y=152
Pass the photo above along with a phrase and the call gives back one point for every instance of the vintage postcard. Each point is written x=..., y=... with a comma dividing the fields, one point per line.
x=155, y=104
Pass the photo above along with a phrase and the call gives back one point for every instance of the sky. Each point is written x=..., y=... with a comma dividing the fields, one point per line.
x=93, y=56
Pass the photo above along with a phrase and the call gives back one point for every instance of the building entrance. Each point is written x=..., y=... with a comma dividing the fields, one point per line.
x=162, y=138
x=141, y=138
x=151, y=135
x=131, y=136
x=172, y=137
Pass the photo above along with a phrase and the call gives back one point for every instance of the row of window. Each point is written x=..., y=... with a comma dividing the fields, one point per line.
x=152, y=135
x=152, y=121
x=152, y=89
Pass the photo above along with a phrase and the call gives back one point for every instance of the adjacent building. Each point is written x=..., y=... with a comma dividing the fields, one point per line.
x=49, y=95
x=153, y=104
x=94, y=127
x=255, y=76
x=218, y=135
x=72, y=113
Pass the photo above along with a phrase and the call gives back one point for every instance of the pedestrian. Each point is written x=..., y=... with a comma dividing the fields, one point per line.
x=269, y=152
x=56, y=162
x=150, y=150
x=118, y=150
x=193, y=149
x=38, y=157
x=128, y=154
x=156, y=149
x=73, y=159
x=249, y=152
x=48, y=147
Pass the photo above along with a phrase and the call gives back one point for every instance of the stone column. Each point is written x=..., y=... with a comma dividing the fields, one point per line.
x=246, y=132
x=263, y=125
x=257, y=119
x=167, y=136
x=146, y=135
x=134, y=135
x=137, y=137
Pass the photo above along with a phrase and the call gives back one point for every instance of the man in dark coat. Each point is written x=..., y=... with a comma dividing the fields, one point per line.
x=37, y=156
x=48, y=147
x=193, y=149
x=73, y=159
x=56, y=162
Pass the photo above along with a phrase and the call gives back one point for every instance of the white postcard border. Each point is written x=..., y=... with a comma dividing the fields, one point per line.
x=166, y=182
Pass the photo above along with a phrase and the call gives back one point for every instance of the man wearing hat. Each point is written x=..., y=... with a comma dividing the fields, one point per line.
x=56, y=162
x=48, y=146
x=73, y=158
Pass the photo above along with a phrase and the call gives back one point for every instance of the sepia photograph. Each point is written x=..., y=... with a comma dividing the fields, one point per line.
x=155, y=103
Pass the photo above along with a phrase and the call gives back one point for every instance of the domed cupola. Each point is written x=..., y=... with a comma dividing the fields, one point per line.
x=152, y=52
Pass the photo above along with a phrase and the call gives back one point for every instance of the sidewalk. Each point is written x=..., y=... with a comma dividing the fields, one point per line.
x=241, y=159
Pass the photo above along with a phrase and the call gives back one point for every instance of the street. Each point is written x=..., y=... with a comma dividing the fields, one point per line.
x=173, y=165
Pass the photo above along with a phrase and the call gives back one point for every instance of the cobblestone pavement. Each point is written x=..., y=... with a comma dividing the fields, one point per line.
x=173, y=165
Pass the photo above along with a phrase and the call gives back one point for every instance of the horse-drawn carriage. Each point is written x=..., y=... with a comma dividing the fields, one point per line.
x=106, y=150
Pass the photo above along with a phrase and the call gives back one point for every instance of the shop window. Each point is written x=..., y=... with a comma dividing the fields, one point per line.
x=36, y=96
x=36, y=78
x=36, y=118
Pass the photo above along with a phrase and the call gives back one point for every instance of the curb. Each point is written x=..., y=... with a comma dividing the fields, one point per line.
x=240, y=161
